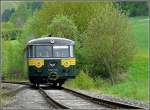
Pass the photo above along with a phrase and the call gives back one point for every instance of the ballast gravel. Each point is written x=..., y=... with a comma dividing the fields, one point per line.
x=27, y=99
x=10, y=87
x=115, y=98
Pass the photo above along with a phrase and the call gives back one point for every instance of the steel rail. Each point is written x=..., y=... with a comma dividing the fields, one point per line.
x=16, y=82
x=108, y=103
x=51, y=100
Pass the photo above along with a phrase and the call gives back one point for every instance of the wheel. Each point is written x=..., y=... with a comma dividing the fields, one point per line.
x=33, y=85
x=54, y=84
x=37, y=85
x=60, y=84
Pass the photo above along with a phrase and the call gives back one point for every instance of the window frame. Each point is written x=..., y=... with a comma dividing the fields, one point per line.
x=52, y=46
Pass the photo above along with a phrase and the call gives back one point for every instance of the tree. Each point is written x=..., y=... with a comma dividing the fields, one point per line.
x=34, y=6
x=74, y=10
x=108, y=43
x=6, y=15
x=9, y=31
x=62, y=26
x=21, y=15
x=134, y=8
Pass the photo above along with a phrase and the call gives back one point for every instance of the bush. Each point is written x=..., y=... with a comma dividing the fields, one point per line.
x=13, y=60
x=9, y=32
x=108, y=44
x=82, y=81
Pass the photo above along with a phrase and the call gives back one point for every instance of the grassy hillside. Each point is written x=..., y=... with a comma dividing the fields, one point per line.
x=140, y=31
x=134, y=84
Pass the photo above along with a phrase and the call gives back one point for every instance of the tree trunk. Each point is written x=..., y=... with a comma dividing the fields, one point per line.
x=109, y=71
x=112, y=78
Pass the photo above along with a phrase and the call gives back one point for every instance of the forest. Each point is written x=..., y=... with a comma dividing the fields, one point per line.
x=111, y=42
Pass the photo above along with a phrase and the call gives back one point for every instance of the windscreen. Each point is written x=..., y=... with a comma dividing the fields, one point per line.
x=60, y=51
x=48, y=51
x=43, y=51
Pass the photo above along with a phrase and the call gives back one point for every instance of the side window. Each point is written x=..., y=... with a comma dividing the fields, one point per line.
x=71, y=51
x=27, y=51
x=30, y=52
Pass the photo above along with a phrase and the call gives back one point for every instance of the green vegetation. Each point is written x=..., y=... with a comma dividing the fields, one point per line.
x=8, y=5
x=62, y=26
x=18, y=11
x=13, y=65
x=134, y=83
x=140, y=31
x=9, y=32
x=134, y=8
x=111, y=42
x=82, y=81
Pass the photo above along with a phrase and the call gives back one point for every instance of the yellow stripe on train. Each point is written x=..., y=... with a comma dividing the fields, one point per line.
x=68, y=62
x=40, y=62
x=36, y=62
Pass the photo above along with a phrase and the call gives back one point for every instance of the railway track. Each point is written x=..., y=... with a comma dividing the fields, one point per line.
x=51, y=101
x=66, y=98
x=15, y=82
x=109, y=104
x=69, y=99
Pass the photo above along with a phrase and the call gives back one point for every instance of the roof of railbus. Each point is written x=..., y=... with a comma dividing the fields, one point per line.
x=51, y=41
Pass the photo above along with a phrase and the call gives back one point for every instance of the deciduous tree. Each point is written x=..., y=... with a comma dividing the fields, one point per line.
x=108, y=43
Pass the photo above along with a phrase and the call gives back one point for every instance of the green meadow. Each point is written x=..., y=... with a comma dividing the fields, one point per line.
x=139, y=27
x=134, y=83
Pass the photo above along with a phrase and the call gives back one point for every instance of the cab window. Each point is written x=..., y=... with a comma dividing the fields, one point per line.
x=61, y=51
x=43, y=51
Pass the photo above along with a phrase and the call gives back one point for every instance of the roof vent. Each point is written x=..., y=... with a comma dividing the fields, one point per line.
x=52, y=41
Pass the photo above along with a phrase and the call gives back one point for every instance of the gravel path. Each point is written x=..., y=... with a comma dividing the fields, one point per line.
x=28, y=99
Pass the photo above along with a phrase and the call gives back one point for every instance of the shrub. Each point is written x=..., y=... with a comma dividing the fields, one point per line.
x=13, y=60
x=11, y=34
x=9, y=31
x=108, y=44
x=82, y=81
